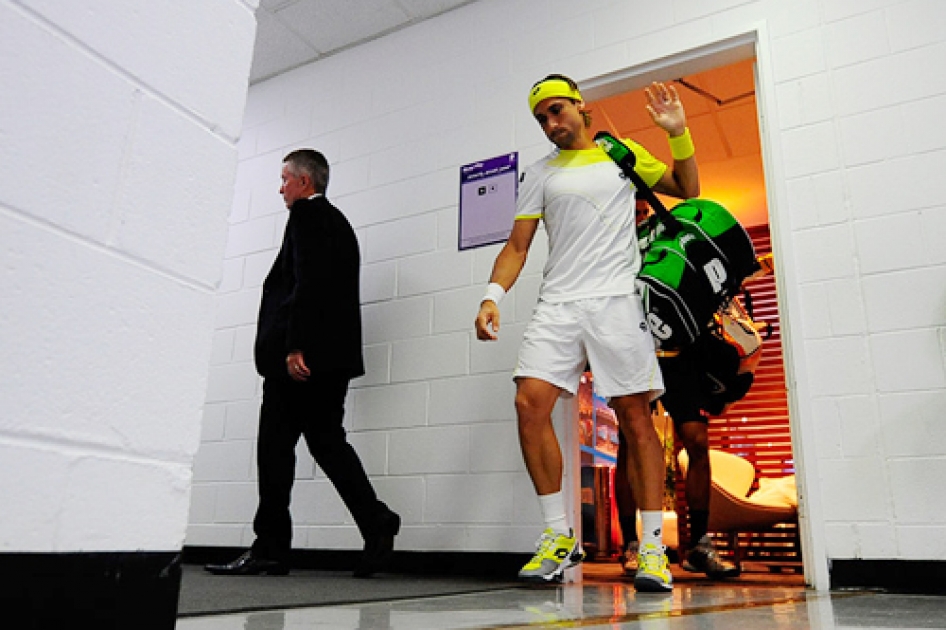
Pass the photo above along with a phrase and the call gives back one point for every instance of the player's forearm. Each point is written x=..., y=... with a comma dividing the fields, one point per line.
x=686, y=175
x=508, y=266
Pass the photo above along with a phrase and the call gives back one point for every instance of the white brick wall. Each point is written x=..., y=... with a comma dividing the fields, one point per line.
x=855, y=146
x=119, y=125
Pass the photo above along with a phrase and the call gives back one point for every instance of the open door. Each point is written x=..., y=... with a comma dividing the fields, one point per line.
x=724, y=122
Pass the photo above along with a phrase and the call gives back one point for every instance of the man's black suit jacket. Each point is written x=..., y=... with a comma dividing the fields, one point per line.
x=311, y=297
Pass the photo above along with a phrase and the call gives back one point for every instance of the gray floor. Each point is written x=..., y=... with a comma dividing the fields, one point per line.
x=203, y=593
x=602, y=600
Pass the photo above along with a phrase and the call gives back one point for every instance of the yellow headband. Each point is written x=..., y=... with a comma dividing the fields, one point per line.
x=552, y=88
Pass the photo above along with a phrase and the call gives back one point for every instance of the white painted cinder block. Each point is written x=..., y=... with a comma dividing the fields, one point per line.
x=236, y=503
x=905, y=300
x=222, y=348
x=818, y=200
x=829, y=422
x=89, y=358
x=908, y=361
x=402, y=199
x=911, y=423
x=816, y=310
x=860, y=427
x=224, y=461
x=252, y=236
x=429, y=273
x=244, y=338
x=861, y=540
x=846, y=307
x=159, y=223
x=799, y=55
x=472, y=399
x=387, y=407
x=454, y=310
x=873, y=136
x=839, y=366
x=920, y=542
x=398, y=319
x=495, y=448
x=231, y=276
x=213, y=422
x=317, y=503
x=804, y=101
x=378, y=282
x=915, y=498
x=226, y=535
x=204, y=30
x=486, y=498
x=429, y=450
x=826, y=253
x=857, y=39
x=202, y=503
x=402, y=238
x=40, y=70
x=876, y=540
x=888, y=243
x=238, y=308
x=810, y=149
x=432, y=357
x=234, y=381
x=847, y=501
x=255, y=269
x=434, y=537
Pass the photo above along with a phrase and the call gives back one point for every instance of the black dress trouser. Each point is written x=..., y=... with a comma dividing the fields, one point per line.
x=314, y=410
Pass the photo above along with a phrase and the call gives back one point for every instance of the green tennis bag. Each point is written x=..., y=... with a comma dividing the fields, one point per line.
x=688, y=273
x=695, y=257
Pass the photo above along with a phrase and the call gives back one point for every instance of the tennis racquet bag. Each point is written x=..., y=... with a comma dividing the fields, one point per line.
x=731, y=354
x=695, y=257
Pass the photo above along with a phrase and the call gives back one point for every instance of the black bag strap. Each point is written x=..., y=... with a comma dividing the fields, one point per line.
x=625, y=159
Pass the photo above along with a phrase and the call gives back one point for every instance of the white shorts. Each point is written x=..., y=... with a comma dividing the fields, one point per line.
x=610, y=333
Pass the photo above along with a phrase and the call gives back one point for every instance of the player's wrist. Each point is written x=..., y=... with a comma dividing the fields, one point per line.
x=681, y=146
x=494, y=292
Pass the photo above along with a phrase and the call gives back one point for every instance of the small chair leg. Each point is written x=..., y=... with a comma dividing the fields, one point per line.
x=736, y=550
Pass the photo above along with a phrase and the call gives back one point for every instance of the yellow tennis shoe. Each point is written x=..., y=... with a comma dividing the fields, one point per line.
x=653, y=570
x=554, y=553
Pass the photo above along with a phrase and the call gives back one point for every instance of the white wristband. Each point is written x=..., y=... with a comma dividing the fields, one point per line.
x=494, y=292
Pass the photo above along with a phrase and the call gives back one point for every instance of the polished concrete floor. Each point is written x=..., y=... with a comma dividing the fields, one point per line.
x=604, y=599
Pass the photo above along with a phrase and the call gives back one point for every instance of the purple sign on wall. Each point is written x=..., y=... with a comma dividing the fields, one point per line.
x=488, y=200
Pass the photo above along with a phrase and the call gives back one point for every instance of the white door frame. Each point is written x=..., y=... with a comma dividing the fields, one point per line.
x=718, y=51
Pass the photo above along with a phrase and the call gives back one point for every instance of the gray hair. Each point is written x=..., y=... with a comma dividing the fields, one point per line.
x=311, y=163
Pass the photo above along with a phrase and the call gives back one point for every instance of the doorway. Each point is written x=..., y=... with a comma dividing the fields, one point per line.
x=723, y=117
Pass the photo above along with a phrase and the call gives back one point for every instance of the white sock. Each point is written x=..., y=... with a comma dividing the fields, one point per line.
x=553, y=511
x=652, y=525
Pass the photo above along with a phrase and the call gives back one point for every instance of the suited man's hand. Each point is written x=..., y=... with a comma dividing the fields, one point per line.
x=295, y=364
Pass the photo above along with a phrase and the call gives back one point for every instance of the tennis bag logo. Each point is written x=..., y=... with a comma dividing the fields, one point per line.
x=686, y=276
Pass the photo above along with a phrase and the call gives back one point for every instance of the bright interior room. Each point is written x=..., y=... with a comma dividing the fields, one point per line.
x=754, y=527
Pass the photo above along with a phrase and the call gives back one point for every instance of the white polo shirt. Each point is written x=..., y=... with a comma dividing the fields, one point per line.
x=587, y=205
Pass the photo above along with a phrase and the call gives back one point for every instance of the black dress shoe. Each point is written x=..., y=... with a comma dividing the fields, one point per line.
x=379, y=547
x=249, y=564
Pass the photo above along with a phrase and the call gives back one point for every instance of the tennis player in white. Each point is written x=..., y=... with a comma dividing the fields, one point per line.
x=588, y=309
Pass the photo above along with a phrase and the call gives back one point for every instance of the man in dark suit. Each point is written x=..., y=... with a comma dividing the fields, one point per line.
x=308, y=348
